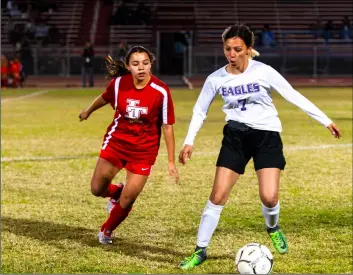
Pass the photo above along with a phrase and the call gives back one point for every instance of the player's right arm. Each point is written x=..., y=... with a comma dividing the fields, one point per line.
x=200, y=110
x=107, y=97
x=96, y=104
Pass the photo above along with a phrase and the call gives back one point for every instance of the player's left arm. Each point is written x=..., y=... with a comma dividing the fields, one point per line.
x=281, y=85
x=168, y=132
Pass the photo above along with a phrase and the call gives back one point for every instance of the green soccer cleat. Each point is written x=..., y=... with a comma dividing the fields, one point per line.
x=196, y=258
x=278, y=239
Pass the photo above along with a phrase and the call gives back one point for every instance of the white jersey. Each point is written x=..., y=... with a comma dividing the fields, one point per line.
x=248, y=99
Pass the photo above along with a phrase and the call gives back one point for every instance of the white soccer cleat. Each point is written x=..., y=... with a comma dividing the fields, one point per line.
x=110, y=205
x=104, y=239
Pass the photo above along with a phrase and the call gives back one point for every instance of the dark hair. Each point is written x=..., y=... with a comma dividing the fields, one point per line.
x=240, y=31
x=117, y=68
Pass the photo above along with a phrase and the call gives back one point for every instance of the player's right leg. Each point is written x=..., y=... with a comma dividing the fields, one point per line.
x=103, y=174
x=113, y=166
x=224, y=181
x=114, y=196
x=133, y=187
x=231, y=162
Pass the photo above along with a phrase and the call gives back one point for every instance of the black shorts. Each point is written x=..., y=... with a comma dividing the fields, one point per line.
x=241, y=143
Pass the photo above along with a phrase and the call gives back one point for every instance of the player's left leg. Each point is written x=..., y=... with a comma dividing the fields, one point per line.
x=268, y=189
x=91, y=76
x=16, y=80
x=269, y=161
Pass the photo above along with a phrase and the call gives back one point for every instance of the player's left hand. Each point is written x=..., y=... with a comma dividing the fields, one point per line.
x=173, y=171
x=334, y=130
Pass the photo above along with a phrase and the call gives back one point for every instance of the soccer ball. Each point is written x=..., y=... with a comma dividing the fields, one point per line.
x=254, y=258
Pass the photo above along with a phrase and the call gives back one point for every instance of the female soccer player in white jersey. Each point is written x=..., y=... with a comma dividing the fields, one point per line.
x=143, y=107
x=252, y=131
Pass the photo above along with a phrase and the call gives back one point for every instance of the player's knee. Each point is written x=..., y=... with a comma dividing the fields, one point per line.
x=99, y=185
x=219, y=199
x=270, y=201
x=96, y=191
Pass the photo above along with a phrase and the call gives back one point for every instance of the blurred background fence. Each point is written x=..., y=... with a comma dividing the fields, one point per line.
x=314, y=61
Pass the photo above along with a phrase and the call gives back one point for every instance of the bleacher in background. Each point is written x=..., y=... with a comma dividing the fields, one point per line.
x=289, y=20
x=132, y=34
x=67, y=19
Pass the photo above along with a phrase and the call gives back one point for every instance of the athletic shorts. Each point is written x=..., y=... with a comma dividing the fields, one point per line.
x=241, y=143
x=134, y=167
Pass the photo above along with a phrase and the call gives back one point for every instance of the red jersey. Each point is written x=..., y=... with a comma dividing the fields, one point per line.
x=4, y=70
x=135, y=131
x=15, y=67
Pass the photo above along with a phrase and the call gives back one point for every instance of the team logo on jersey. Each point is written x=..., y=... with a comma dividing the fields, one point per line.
x=133, y=111
x=240, y=90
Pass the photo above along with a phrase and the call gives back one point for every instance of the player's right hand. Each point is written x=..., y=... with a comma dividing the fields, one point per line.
x=185, y=154
x=83, y=115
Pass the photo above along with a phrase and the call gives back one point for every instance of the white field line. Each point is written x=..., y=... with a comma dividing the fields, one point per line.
x=24, y=96
x=48, y=158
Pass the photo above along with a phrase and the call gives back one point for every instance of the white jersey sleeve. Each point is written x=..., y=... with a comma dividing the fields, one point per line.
x=201, y=107
x=281, y=85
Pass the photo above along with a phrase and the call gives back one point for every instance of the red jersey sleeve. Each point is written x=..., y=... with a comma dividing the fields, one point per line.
x=109, y=93
x=168, y=109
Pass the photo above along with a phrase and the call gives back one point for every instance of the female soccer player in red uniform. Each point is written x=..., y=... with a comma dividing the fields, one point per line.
x=4, y=71
x=143, y=106
x=15, y=71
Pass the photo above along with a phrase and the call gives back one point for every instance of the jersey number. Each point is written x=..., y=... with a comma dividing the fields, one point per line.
x=242, y=102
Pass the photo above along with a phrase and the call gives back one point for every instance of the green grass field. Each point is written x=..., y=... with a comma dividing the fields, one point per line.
x=50, y=219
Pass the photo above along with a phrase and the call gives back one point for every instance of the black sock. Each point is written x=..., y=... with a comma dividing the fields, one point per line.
x=203, y=249
x=273, y=229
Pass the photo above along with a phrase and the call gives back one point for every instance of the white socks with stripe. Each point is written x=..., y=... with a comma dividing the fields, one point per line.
x=210, y=218
x=208, y=223
x=271, y=215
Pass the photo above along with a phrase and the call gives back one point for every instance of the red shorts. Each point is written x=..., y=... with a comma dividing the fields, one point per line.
x=133, y=167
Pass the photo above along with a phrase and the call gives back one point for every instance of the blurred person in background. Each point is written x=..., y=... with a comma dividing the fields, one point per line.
x=327, y=32
x=15, y=32
x=317, y=29
x=24, y=51
x=16, y=72
x=252, y=131
x=41, y=32
x=87, y=67
x=13, y=8
x=30, y=29
x=346, y=29
x=4, y=71
x=143, y=109
x=267, y=37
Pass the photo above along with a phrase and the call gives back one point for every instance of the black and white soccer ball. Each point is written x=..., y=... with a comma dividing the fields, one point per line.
x=254, y=258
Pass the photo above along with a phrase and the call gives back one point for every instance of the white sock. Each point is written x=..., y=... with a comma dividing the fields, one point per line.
x=208, y=223
x=271, y=215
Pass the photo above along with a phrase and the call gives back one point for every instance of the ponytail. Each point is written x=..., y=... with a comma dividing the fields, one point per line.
x=115, y=67
x=254, y=53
